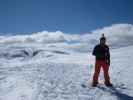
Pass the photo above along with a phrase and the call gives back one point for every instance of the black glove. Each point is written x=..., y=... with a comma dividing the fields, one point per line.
x=108, y=62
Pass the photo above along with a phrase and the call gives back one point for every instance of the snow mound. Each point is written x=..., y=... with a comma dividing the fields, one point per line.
x=58, y=74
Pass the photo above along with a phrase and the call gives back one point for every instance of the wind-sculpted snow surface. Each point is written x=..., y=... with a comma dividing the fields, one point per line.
x=40, y=72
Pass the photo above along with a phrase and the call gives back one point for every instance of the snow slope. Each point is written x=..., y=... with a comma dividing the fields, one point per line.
x=36, y=71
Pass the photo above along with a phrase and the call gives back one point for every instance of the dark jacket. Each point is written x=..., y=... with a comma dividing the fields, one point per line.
x=102, y=53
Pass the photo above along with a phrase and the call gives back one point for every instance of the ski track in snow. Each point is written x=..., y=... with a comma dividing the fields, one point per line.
x=59, y=75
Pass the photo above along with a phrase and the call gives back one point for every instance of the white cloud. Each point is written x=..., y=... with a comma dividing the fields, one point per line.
x=40, y=37
x=117, y=35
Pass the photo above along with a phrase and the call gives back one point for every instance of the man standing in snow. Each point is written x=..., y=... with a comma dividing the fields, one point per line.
x=102, y=55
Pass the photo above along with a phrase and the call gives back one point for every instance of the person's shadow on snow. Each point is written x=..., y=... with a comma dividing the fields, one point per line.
x=117, y=93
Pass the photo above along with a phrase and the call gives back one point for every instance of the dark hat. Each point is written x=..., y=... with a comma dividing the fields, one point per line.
x=103, y=37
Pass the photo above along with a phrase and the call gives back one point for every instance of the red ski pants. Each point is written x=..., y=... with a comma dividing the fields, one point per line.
x=105, y=66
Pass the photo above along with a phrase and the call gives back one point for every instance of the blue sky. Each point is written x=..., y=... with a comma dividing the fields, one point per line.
x=69, y=16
